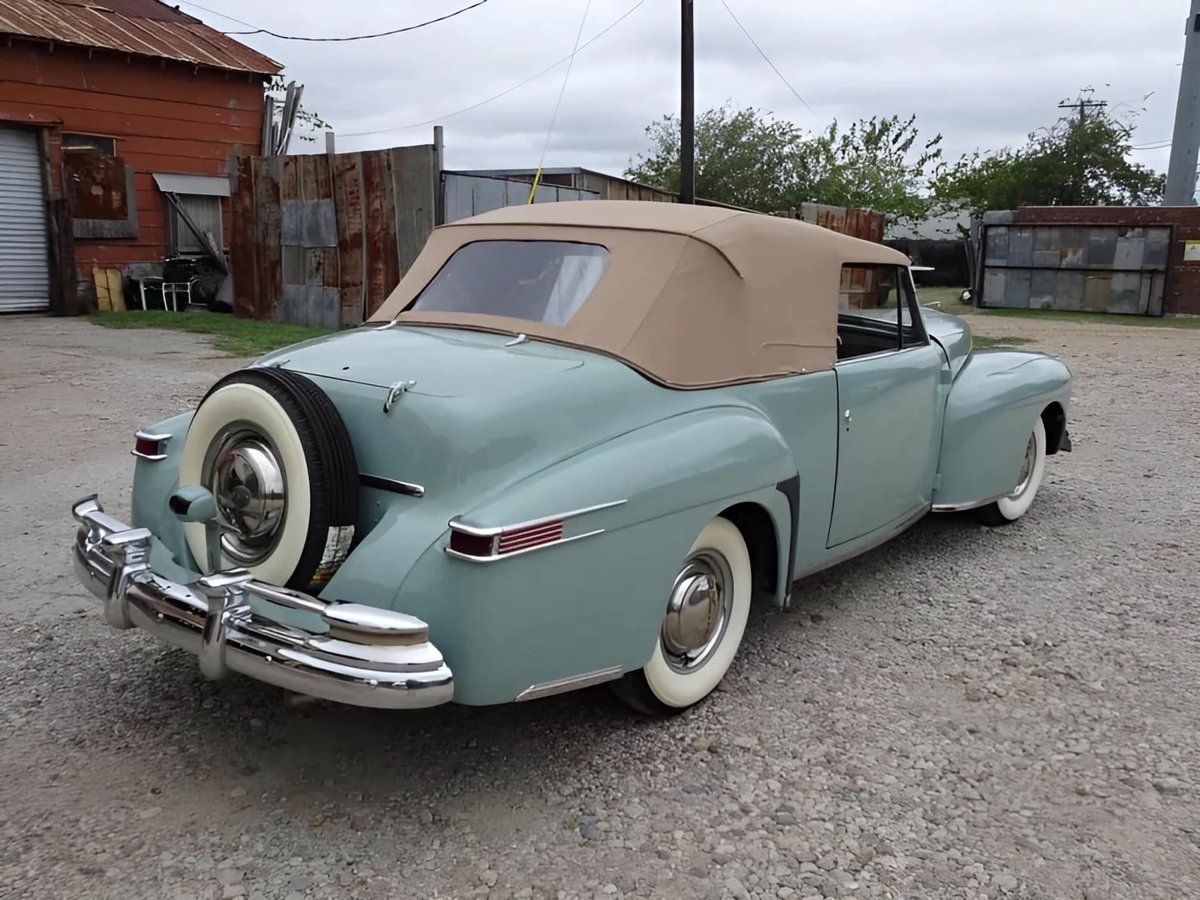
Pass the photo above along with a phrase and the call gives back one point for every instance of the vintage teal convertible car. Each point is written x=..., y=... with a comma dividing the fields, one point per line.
x=569, y=449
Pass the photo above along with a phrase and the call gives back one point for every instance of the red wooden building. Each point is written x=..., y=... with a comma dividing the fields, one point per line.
x=119, y=121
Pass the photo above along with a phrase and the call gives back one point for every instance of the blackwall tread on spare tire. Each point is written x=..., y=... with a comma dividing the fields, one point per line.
x=317, y=458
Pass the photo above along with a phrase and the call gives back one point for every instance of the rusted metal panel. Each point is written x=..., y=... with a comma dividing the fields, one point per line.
x=415, y=185
x=380, y=223
x=124, y=27
x=242, y=260
x=267, y=233
x=351, y=251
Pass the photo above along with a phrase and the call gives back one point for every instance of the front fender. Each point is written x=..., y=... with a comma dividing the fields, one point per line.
x=596, y=603
x=991, y=410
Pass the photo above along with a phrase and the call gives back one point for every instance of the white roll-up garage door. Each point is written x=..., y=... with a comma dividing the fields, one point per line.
x=24, y=257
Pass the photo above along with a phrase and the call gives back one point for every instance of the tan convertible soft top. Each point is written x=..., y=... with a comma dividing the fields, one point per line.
x=692, y=296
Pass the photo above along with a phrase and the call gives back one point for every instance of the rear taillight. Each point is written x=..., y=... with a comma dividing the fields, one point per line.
x=530, y=536
x=150, y=446
x=480, y=544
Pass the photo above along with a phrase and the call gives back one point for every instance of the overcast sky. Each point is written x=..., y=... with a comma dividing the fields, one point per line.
x=982, y=74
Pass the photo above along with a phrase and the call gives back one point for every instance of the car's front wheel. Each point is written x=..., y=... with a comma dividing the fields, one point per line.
x=702, y=627
x=1029, y=479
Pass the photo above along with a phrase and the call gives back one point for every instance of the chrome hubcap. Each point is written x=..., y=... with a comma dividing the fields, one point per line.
x=1026, y=468
x=697, y=612
x=247, y=480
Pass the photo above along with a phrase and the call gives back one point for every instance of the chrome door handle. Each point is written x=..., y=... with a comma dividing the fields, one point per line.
x=847, y=417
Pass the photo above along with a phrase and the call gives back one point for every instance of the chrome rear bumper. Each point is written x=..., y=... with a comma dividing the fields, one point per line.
x=369, y=657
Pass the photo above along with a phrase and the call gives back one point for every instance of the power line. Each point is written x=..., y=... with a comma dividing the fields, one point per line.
x=356, y=37
x=506, y=91
x=558, y=104
x=763, y=54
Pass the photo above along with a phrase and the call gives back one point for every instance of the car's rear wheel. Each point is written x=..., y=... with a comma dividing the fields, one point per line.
x=1033, y=467
x=275, y=453
x=702, y=626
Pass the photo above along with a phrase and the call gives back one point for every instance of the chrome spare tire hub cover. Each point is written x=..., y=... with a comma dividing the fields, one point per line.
x=697, y=612
x=243, y=471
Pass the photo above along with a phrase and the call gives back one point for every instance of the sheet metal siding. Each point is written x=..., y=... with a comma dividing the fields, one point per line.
x=469, y=195
x=323, y=240
x=1093, y=268
x=24, y=248
x=96, y=26
x=1171, y=284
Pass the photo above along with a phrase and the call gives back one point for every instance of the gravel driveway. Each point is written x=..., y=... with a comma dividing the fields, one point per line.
x=963, y=713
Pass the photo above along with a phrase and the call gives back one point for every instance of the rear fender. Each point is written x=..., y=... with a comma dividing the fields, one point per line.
x=991, y=411
x=597, y=603
x=153, y=483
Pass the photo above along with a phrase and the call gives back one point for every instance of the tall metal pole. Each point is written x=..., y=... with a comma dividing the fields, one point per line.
x=687, y=129
x=1185, y=144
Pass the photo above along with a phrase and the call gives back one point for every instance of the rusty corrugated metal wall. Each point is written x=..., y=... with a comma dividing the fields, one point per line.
x=866, y=224
x=1124, y=260
x=323, y=240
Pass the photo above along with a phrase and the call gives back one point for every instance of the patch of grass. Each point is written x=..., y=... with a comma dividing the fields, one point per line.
x=982, y=342
x=232, y=336
x=1093, y=318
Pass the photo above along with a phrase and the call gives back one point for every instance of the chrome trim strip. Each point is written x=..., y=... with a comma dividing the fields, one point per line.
x=475, y=531
x=970, y=504
x=145, y=436
x=391, y=484
x=502, y=556
x=370, y=657
x=570, y=683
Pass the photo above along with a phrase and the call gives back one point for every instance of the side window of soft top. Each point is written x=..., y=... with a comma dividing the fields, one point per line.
x=876, y=310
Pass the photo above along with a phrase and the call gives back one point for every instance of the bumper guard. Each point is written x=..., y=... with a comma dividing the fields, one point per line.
x=369, y=657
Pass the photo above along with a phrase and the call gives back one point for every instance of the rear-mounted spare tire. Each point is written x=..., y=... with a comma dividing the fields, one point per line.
x=275, y=453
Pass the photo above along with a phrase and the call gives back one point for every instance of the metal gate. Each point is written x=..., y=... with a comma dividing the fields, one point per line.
x=24, y=253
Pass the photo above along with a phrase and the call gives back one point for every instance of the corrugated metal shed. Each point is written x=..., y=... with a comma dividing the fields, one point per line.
x=141, y=27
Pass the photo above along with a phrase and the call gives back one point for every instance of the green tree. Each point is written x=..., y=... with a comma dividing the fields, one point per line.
x=1080, y=160
x=876, y=163
x=749, y=158
x=743, y=157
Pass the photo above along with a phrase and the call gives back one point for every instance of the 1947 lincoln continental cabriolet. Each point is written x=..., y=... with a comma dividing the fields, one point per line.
x=568, y=449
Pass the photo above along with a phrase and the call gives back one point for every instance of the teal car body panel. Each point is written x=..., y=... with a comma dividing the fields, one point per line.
x=993, y=403
x=483, y=431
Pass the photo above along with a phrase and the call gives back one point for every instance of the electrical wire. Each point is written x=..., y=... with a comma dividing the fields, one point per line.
x=356, y=37
x=537, y=177
x=763, y=54
x=506, y=91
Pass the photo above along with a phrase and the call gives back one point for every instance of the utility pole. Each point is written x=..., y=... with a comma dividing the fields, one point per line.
x=1185, y=143
x=687, y=124
x=1083, y=106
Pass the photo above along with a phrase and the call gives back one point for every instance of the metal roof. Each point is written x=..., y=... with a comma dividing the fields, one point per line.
x=141, y=27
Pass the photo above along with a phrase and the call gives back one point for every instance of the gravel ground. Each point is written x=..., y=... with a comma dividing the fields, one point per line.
x=962, y=713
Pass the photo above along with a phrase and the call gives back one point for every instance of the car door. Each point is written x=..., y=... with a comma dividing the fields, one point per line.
x=890, y=392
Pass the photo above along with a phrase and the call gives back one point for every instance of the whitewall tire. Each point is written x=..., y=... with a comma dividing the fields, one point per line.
x=273, y=450
x=1029, y=480
x=702, y=627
